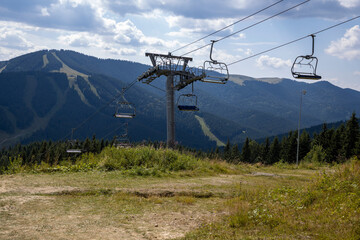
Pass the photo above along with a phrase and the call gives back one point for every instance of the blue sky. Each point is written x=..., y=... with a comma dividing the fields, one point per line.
x=121, y=29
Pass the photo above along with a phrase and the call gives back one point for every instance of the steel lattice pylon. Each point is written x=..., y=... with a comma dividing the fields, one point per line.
x=171, y=66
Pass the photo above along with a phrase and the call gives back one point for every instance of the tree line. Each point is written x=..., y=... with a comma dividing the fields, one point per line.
x=330, y=145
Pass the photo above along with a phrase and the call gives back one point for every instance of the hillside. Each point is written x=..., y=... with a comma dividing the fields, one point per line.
x=46, y=93
x=166, y=194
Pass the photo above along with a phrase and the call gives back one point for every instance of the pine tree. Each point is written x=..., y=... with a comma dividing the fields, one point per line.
x=274, y=152
x=227, y=151
x=86, y=145
x=265, y=151
x=289, y=147
x=304, y=145
x=334, y=150
x=245, y=152
x=324, y=138
x=352, y=135
x=255, y=151
x=235, y=154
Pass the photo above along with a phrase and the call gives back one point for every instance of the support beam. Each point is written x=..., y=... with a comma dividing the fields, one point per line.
x=170, y=111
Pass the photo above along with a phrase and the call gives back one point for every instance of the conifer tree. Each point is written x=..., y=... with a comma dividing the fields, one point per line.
x=255, y=151
x=245, y=152
x=227, y=150
x=274, y=152
x=265, y=151
x=304, y=145
x=352, y=135
x=235, y=154
x=334, y=150
x=289, y=147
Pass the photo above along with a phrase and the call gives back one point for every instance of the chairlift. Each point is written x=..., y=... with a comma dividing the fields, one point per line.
x=304, y=67
x=215, y=72
x=122, y=140
x=188, y=102
x=73, y=144
x=124, y=109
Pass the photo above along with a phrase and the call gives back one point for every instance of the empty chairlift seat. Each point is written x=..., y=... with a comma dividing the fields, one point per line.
x=125, y=110
x=304, y=67
x=187, y=102
x=215, y=72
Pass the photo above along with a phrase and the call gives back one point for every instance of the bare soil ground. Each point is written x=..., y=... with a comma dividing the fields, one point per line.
x=111, y=206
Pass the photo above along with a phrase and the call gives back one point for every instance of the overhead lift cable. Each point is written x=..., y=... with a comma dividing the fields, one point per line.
x=232, y=24
x=252, y=25
x=293, y=41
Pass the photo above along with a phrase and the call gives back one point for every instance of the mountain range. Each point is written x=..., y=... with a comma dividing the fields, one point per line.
x=45, y=94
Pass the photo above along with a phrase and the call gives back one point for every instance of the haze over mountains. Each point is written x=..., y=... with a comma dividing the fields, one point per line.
x=46, y=93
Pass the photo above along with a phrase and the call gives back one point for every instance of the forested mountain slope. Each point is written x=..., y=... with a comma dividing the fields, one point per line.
x=46, y=93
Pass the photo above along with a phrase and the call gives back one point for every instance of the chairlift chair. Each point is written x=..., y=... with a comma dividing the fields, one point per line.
x=215, y=72
x=73, y=144
x=122, y=140
x=304, y=67
x=187, y=102
x=125, y=110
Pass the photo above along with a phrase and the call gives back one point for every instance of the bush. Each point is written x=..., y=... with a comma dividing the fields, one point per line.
x=146, y=157
x=317, y=155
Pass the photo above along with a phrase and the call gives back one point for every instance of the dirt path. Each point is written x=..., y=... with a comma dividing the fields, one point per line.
x=108, y=206
x=156, y=209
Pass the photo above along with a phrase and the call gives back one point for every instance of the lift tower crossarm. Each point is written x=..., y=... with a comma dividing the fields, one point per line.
x=153, y=55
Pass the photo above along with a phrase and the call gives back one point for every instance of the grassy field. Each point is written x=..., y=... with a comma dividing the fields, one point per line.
x=145, y=193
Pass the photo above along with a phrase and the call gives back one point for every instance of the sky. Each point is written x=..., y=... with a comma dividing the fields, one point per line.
x=125, y=30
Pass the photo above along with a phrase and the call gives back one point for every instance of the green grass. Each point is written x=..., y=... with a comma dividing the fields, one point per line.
x=136, y=161
x=144, y=193
x=326, y=208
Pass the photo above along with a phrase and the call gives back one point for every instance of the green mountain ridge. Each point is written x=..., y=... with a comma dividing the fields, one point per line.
x=46, y=93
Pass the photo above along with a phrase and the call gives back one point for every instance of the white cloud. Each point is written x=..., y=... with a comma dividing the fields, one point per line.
x=123, y=51
x=126, y=32
x=45, y=12
x=357, y=73
x=349, y=3
x=272, y=62
x=348, y=47
x=81, y=39
x=14, y=39
x=248, y=52
x=198, y=26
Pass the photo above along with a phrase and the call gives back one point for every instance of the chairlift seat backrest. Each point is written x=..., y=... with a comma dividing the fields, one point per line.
x=309, y=62
x=304, y=67
x=215, y=72
x=125, y=110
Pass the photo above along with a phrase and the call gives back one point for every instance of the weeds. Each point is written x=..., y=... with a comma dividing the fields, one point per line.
x=328, y=208
x=138, y=161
